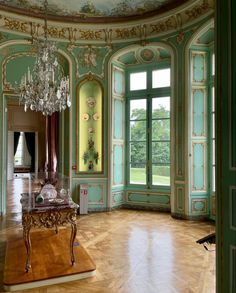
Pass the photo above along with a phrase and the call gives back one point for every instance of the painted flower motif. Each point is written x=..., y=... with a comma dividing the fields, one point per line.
x=96, y=116
x=91, y=102
x=85, y=117
x=90, y=130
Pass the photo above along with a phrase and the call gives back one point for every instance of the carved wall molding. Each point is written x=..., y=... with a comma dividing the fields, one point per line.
x=7, y=86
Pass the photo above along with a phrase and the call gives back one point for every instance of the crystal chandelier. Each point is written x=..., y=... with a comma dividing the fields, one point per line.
x=44, y=89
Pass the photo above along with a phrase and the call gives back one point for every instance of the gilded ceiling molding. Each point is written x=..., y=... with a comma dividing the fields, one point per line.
x=7, y=86
x=15, y=25
x=108, y=33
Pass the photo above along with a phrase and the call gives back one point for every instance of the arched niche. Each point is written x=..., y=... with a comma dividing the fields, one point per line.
x=89, y=127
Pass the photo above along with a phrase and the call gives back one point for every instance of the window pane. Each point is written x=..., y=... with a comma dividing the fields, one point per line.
x=160, y=175
x=213, y=64
x=161, y=107
x=213, y=125
x=213, y=98
x=18, y=158
x=138, y=81
x=138, y=109
x=138, y=130
x=138, y=173
x=138, y=152
x=161, y=129
x=161, y=152
x=213, y=178
x=161, y=78
x=213, y=152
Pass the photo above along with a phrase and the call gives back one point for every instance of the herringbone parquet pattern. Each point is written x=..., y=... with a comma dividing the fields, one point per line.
x=134, y=252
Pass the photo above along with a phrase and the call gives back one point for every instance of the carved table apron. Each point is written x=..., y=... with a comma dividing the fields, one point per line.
x=48, y=218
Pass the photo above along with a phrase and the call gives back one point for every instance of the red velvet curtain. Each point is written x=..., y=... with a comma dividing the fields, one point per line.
x=52, y=142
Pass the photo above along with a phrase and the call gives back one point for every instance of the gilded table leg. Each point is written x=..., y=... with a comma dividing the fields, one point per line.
x=26, y=234
x=72, y=239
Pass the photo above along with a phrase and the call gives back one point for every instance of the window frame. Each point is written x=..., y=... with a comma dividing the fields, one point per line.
x=212, y=139
x=21, y=156
x=149, y=94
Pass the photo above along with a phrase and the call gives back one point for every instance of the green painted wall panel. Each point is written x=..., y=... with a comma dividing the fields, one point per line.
x=179, y=193
x=198, y=68
x=18, y=67
x=198, y=113
x=96, y=194
x=91, y=59
x=117, y=198
x=199, y=206
x=198, y=166
x=118, y=81
x=148, y=198
x=118, y=119
x=118, y=165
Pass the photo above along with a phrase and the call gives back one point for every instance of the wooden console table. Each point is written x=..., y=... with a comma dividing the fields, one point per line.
x=48, y=215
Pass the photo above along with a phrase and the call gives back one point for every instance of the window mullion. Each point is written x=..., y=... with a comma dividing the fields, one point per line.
x=149, y=141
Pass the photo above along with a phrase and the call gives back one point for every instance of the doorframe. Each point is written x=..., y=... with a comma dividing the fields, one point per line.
x=4, y=153
x=4, y=148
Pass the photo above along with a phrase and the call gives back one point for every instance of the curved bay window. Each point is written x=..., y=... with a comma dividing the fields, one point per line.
x=148, y=117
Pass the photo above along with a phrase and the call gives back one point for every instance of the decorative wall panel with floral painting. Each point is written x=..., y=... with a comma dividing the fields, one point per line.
x=89, y=127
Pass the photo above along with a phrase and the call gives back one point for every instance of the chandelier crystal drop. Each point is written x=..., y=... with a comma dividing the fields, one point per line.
x=45, y=89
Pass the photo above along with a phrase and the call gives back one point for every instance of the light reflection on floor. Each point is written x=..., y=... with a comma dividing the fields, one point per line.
x=134, y=251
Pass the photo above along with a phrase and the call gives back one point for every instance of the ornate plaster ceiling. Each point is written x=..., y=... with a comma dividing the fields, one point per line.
x=91, y=10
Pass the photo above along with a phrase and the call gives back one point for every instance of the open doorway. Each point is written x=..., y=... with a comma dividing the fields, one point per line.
x=26, y=140
x=22, y=154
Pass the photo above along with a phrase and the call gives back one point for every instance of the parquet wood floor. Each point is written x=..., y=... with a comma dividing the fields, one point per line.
x=134, y=251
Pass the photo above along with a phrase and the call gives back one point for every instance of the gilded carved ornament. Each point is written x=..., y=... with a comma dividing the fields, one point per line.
x=180, y=37
x=108, y=36
x=90, y=76
x=57, y=33
x=73, y=33
x=198, y=10
x=88, y=57
x=126, y=33
x=34, y=31
x=90, y=34
x=173, y=22
x=2, y=37
x=15, y=25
